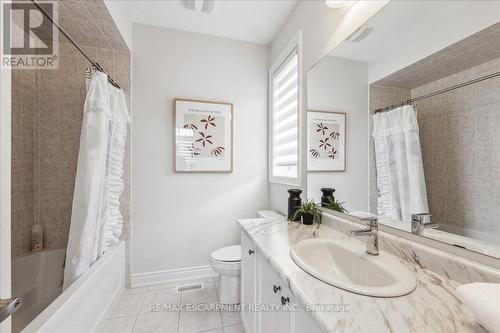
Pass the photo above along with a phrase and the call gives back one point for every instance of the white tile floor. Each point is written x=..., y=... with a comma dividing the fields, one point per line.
x=132, y=312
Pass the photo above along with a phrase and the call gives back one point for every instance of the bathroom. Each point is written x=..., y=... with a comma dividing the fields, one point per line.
x=250, y=166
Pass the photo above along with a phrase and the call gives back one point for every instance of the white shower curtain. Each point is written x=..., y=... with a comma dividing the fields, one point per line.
x=400, y=171
x=96, y=221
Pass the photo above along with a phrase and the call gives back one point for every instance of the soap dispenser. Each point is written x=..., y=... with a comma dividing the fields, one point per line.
x=36, y=237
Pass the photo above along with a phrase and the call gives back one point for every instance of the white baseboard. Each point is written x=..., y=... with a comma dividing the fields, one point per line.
x=159, y=277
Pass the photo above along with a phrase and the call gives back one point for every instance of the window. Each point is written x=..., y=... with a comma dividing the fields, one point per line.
x=284, y=126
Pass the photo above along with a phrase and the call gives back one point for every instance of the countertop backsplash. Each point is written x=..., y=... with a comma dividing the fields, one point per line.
x=455, y=268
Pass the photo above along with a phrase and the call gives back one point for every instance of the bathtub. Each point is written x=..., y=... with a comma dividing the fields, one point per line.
x=37, y=278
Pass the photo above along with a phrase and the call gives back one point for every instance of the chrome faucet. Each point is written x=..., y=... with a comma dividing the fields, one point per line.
x=371, y=233
x=420, y=222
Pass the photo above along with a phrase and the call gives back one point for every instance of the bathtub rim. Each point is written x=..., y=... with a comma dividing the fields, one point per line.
x=34, y=253
x=75, y=289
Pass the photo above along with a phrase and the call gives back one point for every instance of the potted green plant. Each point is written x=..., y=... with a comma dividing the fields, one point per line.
x=309, y=213
x=333, y=204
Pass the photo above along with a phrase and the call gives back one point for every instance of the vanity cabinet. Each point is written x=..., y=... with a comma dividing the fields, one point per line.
x=303, y=322
x=248, y=283
x=263, y=288
x=275, y=297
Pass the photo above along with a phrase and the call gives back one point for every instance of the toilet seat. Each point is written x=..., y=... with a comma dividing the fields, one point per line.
x=227, y=254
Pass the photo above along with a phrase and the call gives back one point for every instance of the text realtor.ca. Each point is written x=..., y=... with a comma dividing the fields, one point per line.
x=208, y=307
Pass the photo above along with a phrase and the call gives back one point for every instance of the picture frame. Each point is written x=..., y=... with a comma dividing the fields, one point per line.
x=203, y=136
x=326, y=141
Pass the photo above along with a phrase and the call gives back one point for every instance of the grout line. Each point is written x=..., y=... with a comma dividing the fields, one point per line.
x=130, y=314
x=135, y=322
x=139, y=312
x=142, y=302
x=210, y=330
x=179, y=316
x=220, y=316
x=120, y=316
x=218, y=301
x=238, y=324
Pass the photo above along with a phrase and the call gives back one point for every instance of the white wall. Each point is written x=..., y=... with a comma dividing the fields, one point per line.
x=5, y=186
x=323, y=29
x=178, y=219
x=341, y=85
x=119, y=15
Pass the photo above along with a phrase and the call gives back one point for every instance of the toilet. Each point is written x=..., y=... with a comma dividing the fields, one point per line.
x=227, y=262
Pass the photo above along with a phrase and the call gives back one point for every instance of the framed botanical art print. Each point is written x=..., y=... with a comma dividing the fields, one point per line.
x=203, y=136
x=326, y=141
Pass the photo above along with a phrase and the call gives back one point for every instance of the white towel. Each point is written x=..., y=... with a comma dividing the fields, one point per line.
x=483, y=299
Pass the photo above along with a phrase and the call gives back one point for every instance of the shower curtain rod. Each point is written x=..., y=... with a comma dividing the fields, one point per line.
x=438, y=92
x=94, y=63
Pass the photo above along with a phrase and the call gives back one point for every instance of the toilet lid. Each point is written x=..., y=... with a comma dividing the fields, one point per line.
x=229, y=253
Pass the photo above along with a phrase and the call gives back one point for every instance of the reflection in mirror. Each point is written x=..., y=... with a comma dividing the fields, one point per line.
x=424, y=92
x=338, y=86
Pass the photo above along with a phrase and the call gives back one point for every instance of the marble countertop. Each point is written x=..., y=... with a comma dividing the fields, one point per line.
x=432, y=307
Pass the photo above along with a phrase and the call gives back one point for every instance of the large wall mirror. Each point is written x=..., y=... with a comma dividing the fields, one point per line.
x=419, y=84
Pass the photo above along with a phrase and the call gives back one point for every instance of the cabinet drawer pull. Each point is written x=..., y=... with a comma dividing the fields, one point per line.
x=250, y=252
x=276, y=288
x=284, y=300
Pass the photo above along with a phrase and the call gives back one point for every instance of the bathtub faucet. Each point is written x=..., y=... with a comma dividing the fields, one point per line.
x=420, y=222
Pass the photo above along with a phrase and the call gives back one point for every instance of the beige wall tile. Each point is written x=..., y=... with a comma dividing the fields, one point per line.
x=460, y=167
x=28, y=148
x=27, y=171
x=16, y=172
x=46, y=123
x=17, y=148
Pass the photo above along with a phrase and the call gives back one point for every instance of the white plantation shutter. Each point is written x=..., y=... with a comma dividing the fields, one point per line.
x=285, y=119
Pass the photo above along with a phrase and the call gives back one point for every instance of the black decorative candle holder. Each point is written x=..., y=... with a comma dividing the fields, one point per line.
x=327, y=195
x=294, y=202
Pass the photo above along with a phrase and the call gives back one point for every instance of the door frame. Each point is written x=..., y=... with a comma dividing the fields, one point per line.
x=5, y=185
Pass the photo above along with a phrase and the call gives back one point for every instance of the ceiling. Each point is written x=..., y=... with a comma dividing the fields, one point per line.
x=408, y=31
x=481, y=47
x=253, y=21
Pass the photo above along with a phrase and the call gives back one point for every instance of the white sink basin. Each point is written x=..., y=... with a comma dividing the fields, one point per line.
x=346, y=265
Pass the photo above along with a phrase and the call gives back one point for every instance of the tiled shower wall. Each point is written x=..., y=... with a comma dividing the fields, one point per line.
x=23, y=160
x=460, y=138
x=47, y=112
